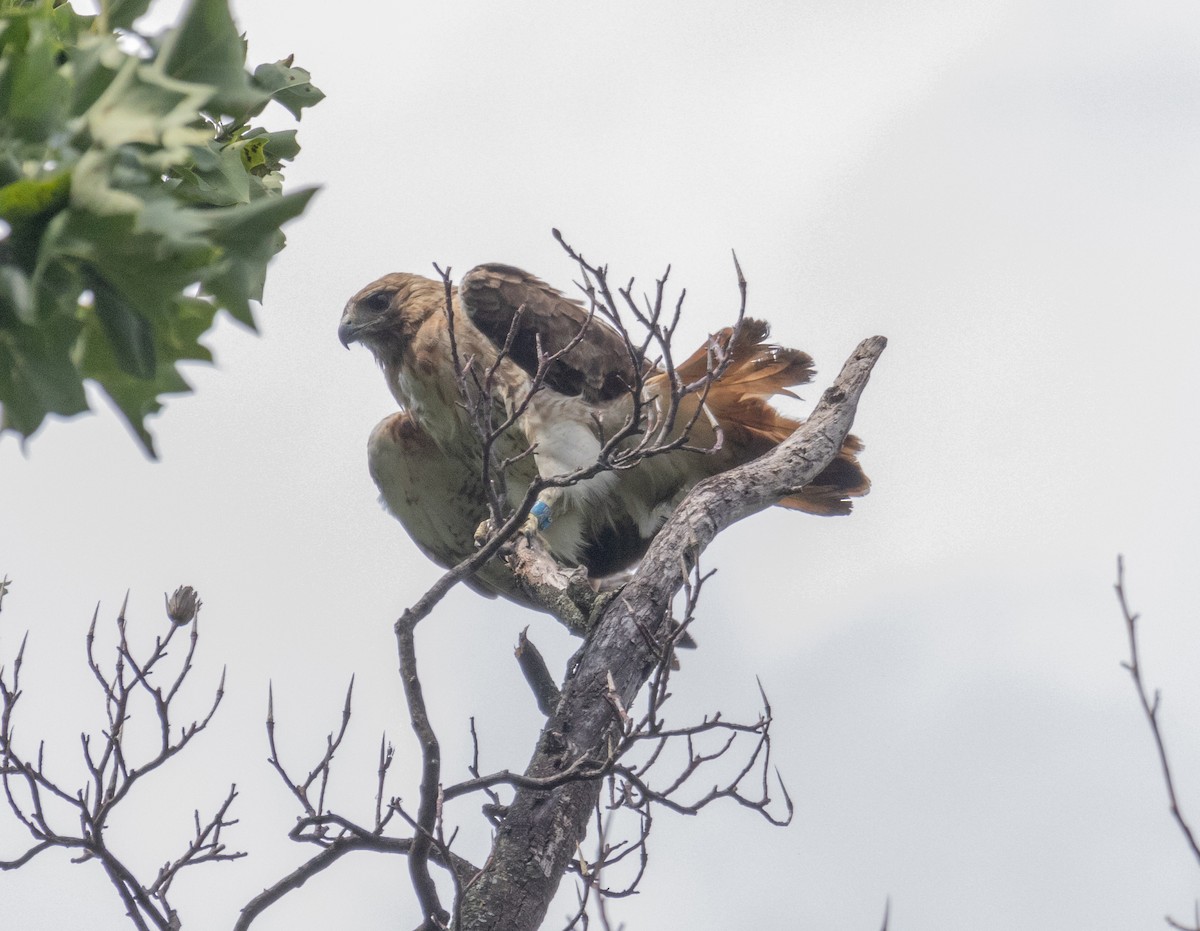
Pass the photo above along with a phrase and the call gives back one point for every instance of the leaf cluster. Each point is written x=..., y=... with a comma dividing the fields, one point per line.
x=137, y=198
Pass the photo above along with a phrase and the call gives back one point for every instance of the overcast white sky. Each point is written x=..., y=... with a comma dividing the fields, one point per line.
x=1007, y=190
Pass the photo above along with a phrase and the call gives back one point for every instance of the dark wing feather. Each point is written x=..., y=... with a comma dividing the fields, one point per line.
x=597, y=368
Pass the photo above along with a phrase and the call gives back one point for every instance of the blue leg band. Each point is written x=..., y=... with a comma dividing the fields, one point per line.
x=541, y=511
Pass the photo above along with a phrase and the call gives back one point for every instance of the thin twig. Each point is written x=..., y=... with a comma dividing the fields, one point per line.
x=1150, y=708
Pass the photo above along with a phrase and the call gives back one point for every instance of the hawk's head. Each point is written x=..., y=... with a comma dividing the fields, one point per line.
x=385, y=314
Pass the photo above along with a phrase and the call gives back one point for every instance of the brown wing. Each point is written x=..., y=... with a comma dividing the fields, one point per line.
x=438, y=498
x=598, y=367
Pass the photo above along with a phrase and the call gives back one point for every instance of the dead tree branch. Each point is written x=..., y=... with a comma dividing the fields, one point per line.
x=351, y=839
x=533, y=667
x=538, y=838
x=430, y=801
x=336, y=835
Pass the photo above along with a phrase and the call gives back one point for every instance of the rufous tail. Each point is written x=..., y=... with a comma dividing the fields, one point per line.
x=756, y=371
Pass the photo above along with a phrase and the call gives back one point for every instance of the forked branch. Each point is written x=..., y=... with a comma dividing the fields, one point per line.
x=625, y=648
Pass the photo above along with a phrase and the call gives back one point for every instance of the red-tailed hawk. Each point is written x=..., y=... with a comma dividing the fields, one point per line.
x=428, y=459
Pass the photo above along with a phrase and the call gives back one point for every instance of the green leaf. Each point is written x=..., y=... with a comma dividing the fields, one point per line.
x=267, y=184
x=176, y=338
x=250, y=236
x=56, y=285
x=95, y=61
x=92, y=188
x=69, y=26
x=122, y=13
x=135, y=398
x=16, y=297
x=126, y=187
x=252, y=152
x=29, y=198
x=10, y=165
x=150, y=259
x=206, y=48
x=27, y=206
x=142, y=105
x=129, y=333
x=278, y=146
x=291, y=86
x=37, y=374
x=33, y=93
x=218, y=179
x=181, y=336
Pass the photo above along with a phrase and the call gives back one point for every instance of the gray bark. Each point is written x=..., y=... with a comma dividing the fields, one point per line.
x=538, y=837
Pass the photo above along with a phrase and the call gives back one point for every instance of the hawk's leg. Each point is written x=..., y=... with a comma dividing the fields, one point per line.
x=541, y=515
x=539, y=518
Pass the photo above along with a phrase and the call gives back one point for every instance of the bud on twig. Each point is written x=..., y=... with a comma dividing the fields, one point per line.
x=183, y=605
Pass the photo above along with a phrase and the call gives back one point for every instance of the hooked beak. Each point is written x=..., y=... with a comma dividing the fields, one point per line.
x=347, y=332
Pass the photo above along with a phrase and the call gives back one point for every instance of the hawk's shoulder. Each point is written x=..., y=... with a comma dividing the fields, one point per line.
x=514, y=308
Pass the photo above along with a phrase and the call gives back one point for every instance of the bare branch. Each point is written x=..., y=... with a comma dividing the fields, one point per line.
x=320, y=773
x=387, y=753
x=295, y=879
x=1150, y=708
x=429, y=800
x=584, y=725
x=205, y=847
x=111, y=773
x=26, y=856
x=533, y=666
x=493, y=810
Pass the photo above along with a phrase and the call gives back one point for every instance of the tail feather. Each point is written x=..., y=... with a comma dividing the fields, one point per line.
x=756, y=371
x=827, y=495
x=754, y=367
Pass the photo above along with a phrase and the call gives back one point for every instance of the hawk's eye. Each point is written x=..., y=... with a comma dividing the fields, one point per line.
x=377, y=302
